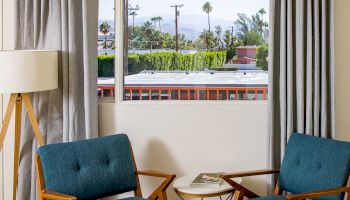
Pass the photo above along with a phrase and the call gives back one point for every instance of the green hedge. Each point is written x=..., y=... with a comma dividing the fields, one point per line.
x=171, y=61
x=164, y=61
x=105, y=65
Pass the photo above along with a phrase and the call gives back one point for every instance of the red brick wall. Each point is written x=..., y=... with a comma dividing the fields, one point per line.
x=246, y=52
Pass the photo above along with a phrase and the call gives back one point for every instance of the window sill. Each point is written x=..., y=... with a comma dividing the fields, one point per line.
x=111, y=100
x=106, y=100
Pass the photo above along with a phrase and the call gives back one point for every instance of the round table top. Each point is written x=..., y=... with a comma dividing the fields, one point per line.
x=182, y=185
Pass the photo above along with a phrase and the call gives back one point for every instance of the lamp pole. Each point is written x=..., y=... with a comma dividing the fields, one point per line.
x=177, y=14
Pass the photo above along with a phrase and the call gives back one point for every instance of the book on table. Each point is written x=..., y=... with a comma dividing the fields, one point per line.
x=208, y=180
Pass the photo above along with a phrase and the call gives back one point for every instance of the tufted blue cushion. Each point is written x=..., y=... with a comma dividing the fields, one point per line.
x=270, y=198
x=313, y=163
x=89, y=169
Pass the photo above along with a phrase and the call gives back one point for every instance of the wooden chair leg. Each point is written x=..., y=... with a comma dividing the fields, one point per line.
x=138, y=192
x=163, y=196
x=278, y=191
x=238, y=195
x=347, y=195
x=41, y=197
x=39, y=177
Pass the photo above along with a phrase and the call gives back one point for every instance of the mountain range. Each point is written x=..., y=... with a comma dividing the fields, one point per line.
x=189, y=25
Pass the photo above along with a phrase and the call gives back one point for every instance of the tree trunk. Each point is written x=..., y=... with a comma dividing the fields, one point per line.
x=133, y=26
x=209, y=21
x=105, y=41
x=207, y=41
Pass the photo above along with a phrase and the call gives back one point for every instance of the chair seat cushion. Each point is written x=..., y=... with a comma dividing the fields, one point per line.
x=133, y=198
x=272, y=197
x=314, y=164
x=89, y=169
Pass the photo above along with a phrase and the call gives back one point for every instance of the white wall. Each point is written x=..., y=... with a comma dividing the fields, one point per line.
x=342, y=49
x=190, y=138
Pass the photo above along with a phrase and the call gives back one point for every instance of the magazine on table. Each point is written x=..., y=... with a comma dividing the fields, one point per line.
x=208, y=180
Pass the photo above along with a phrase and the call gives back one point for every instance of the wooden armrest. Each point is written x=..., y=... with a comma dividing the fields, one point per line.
x=155, y=173
x=243, y=191
x=56, y=195
x=316, y=194
x=159, y=193
x=251, y=173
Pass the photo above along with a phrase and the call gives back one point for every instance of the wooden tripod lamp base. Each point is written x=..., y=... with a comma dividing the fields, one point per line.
x=16, y=101
x=23, y=72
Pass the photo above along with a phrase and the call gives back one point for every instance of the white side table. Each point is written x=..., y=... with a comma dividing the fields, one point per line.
x=183, y=189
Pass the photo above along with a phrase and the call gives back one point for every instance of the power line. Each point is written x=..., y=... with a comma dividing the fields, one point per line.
x=177, y=14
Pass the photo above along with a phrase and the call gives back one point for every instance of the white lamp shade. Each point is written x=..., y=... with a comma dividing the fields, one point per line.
x=23, y=71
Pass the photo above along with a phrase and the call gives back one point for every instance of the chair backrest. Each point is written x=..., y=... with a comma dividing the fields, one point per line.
x=313, y=163
x=90, y=169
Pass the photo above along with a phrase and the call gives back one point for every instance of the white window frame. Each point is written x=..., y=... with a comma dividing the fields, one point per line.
x=119, y=73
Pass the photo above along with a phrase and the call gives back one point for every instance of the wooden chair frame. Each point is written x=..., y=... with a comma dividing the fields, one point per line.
x=158, y=193
x=241, y=191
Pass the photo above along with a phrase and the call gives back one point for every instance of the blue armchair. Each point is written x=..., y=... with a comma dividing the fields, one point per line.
x=92, y=169
x=312, y=168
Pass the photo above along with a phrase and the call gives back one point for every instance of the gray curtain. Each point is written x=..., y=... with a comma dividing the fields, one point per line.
x=301, y=72
x=70, y=112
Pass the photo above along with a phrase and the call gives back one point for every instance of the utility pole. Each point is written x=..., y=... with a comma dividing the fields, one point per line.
x=177, y=14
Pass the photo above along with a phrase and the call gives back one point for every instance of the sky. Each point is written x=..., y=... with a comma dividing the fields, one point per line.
x=223, y=9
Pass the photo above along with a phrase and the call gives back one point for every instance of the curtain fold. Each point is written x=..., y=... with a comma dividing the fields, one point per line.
x=301, y=72
x=70, y=112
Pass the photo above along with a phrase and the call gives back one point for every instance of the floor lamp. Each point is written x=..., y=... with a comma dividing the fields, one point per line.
x=23, y=72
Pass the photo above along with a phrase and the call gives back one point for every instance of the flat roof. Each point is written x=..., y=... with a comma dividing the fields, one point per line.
x=247, y=78
x=247, y=47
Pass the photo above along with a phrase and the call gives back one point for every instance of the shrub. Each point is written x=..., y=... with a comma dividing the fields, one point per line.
x=105, y=65
x=172, y=61
x=261, y=56
x=164, y=61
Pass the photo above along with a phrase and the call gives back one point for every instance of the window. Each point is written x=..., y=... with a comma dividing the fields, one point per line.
x=193, y=50
x=106, y=48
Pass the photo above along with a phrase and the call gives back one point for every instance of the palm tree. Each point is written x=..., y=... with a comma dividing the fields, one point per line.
x=148, y=30
x=218, y=31
x=262, y=12
x=105, y=28
x=262, y=23
x=207, y=37
x=159, y=18
x=154, y=20
x=207, y=8
x=133, y=14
